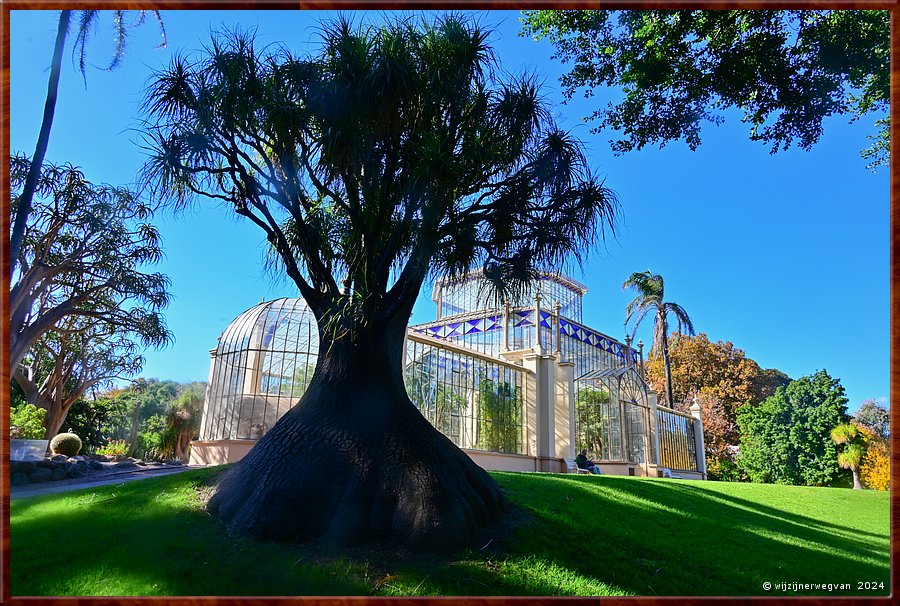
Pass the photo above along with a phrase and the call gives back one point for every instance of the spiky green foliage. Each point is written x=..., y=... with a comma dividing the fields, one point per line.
x=650, y=293
x=394, y=153
x=853, y=451
x=84, y=253
x=65, y=444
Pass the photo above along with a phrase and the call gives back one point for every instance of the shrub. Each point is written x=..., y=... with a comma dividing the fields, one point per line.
x=65, y=444
x=28, y=421
x=115, y=448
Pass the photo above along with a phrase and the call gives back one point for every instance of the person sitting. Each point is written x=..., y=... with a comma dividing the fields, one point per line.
x=585, y=463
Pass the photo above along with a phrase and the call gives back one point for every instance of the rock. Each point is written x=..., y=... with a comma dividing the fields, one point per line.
x=45, y=464
x=59, y=473
x=79, y=469
x=95, y=465
x=125, y=465
x=141, y=463
x=80, y=458
x=19, y=479
x=41, y=474
x=59, y=458
x=26, y=467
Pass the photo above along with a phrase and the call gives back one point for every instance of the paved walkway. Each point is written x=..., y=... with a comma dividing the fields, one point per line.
x=31, y=490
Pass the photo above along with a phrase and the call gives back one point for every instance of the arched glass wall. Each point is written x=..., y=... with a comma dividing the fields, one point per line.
x=261, y=367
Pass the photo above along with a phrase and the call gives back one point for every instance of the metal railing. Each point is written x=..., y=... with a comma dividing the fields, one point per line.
x=677, y=445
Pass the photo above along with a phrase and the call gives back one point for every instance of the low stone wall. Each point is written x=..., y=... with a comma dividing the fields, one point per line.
x=61, y=467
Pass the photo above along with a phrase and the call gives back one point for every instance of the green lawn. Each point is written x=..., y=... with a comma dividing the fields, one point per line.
x=568, y=535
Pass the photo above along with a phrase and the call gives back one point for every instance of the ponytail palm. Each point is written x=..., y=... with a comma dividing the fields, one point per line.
x=395, y=153
x=650, y=292
x=848, y=436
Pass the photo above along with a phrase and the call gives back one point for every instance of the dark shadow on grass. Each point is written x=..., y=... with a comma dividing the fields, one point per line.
x=704, y=547
x=639, y=536
x=788, y=517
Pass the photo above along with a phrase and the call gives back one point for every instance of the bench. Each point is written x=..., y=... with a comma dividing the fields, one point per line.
x=572, y=467
x=667, y=473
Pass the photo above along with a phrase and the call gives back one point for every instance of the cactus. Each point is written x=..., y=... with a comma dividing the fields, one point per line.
x=65, y=444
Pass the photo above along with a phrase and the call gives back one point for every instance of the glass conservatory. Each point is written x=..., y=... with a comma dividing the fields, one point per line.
x=521, y=387
x=260, y=368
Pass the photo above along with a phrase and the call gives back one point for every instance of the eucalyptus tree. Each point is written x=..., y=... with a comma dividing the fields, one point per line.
x=87, y=23
x=650, y=289
x=85, y=251
x=393, y=154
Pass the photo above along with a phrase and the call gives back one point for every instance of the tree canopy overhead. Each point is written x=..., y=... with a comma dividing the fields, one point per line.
x=786, y=71
x=392, y=153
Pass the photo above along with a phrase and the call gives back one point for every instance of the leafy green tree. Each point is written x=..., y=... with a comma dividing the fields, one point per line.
x=854, y=449
x=26, y=422
x=721, y=378
x=93, y=418
x=787, y=438
x=83, y=255
x=87, y=23
x=786, y=71
x=395, y=153
x=875, y=417
x=650, y=291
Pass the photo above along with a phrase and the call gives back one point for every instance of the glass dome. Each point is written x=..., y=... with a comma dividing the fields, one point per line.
x=468, y=294
x=260, y=368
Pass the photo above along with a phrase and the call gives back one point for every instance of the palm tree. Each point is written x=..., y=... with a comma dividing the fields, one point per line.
x=86, y=25
x=649, y=288
x=854, y=449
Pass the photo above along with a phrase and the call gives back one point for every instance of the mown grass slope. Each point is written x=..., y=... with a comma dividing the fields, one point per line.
x=566, y=535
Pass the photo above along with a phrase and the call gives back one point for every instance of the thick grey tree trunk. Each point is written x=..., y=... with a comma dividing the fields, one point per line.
x=356, y=462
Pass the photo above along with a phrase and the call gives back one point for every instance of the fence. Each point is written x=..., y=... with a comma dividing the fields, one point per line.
x=677, y=446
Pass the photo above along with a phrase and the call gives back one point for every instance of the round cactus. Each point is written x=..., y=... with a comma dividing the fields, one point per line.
x=65, y=444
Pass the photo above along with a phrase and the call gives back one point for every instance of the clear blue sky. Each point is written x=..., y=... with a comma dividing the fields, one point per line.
x=786, y=256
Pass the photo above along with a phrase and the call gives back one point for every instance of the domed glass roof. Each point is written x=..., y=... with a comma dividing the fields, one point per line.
x=261, y=366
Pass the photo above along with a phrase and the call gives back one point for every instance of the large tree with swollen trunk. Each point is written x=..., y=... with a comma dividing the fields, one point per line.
x=393, y=154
